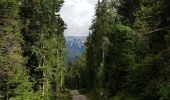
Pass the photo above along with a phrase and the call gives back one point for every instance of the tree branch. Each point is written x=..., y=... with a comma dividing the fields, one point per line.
x=156, y=30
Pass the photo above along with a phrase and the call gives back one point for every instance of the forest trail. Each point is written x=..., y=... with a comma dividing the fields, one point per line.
x=77, y=96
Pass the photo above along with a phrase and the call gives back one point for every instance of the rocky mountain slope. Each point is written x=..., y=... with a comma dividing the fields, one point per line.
x=75, y=47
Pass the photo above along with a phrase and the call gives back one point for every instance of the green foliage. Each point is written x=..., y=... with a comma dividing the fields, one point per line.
x=127, y=52
x=75, y=74
x=14, y=80
x=31, y=49
x=127, y=56
x=165, y=92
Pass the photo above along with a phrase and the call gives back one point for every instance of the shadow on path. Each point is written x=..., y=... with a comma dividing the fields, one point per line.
x=77, y=96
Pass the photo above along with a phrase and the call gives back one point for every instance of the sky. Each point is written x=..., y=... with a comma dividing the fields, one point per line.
x=78, y=15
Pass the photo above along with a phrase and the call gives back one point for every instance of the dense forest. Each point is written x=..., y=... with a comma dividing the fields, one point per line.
x=127, y=52
x=32, y=50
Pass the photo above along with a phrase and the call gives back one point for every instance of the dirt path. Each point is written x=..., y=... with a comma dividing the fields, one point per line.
x=77, y=96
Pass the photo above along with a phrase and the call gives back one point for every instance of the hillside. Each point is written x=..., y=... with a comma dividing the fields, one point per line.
x=75, y=47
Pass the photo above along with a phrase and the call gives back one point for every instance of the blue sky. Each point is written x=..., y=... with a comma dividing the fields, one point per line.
x=78, y=15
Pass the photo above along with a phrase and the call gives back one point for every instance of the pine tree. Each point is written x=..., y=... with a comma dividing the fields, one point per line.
x=43, y=35
x=133, y=59
x=14, y=80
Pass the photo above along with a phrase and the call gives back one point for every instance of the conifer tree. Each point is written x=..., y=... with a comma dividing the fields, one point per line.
x=43, y=35
x=13, y=79
x=134, y=61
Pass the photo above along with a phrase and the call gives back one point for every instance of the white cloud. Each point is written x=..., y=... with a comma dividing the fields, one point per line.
x=78, y=15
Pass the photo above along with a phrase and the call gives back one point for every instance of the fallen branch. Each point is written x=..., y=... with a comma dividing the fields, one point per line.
x=156, y=30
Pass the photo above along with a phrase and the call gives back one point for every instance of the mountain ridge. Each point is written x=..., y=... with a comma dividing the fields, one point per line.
x=74, y=47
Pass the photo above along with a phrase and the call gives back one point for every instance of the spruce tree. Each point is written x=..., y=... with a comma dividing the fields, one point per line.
x=14, y=80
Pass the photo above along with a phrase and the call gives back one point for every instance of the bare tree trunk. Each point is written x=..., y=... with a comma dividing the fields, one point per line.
x=43, y=81
x=7, y=95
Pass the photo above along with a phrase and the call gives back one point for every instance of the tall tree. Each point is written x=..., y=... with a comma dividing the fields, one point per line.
x=135, y=35
x=43, y=34
x=13, y=77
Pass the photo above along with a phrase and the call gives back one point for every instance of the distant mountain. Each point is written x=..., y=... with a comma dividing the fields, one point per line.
x=75, y=47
